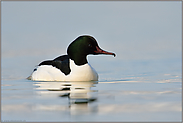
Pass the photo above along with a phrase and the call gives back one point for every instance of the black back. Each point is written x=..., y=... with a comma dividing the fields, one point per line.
x=61, y=62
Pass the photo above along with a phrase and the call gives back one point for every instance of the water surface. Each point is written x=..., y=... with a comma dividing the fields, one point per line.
x=118, y=95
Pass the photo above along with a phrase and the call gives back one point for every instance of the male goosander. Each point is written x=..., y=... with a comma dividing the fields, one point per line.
x=73, y=66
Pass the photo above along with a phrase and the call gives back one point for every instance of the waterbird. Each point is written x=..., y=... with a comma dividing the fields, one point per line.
x=73, y=66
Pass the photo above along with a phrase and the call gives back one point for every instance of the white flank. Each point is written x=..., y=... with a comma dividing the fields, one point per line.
x=78, y=73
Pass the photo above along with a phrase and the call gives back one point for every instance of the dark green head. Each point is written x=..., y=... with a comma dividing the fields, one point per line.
x=83, y=46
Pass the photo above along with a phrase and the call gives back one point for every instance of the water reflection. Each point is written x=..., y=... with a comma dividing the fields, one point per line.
x=79, y=94
x=81, y=101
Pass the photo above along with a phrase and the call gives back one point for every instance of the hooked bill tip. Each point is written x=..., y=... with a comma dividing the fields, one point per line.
x=114, y=54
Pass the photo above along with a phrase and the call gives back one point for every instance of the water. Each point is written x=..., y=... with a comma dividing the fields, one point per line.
x=126, y=91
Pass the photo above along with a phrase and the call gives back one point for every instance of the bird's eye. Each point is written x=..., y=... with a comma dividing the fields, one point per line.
x=89, y=45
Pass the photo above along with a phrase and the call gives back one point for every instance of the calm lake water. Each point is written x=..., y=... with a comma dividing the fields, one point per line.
x=143, y=90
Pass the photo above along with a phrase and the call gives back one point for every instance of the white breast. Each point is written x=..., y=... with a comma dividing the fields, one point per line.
x=78, y=73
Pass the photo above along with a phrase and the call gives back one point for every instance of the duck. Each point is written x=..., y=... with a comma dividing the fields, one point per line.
x=74, y=65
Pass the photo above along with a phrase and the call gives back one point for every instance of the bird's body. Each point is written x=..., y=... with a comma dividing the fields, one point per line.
x=73, y=66
x=78, y=73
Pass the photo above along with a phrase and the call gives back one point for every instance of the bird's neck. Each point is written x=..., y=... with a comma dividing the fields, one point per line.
x=79, y=60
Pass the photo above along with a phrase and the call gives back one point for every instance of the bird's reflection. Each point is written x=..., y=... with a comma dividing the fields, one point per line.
x=79, y=94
